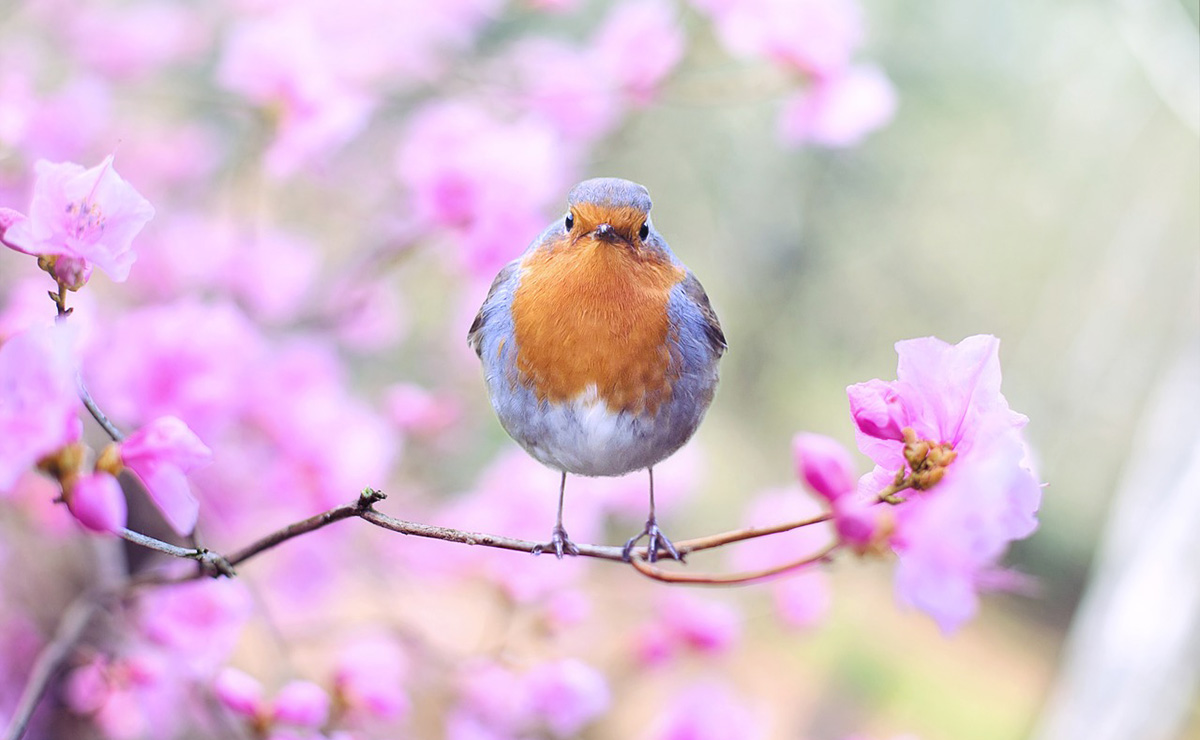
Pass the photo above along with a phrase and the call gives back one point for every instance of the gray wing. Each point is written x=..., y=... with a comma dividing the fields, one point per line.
x=500, y=290
x=710, y=323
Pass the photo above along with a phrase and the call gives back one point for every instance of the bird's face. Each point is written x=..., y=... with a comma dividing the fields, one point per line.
x=621, y=226
x=607, y=214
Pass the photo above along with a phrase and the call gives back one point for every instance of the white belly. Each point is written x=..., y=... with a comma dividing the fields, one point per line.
x=585, y=438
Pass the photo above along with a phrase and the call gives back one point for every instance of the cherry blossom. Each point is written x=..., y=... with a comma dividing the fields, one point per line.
x=89, y=217
x=964, y=453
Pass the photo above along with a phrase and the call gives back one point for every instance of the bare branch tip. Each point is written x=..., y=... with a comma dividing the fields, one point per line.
x=369, y=497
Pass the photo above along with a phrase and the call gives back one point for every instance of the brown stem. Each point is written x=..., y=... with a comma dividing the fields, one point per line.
x=737, y=535
x=730, y=579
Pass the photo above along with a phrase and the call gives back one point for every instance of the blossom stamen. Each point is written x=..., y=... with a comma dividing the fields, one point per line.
x=927, y=462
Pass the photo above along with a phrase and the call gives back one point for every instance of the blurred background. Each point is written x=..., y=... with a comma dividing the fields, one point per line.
x=1038, y=179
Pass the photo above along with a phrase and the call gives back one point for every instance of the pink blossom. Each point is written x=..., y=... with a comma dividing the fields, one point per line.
x=951, y=540
x=369, y=678
x=481, y=178
x=17, y=104
x=188, y=359
x=877, y=409
x=567, y=695
x=98, y=502
x=706, y=710
x=161, y=453
x=86, y=215
x=414, y=409
x=38, y=399
x=823, y=464
x=239, y=692
x=173, y=155
x=282, y=62
x=369, y=315
x=654, y=644
x=86, y=688
x=701, y=624
x=301, y=703
x=397, y=45
x=943, y=392
x=638, y=45
x=859, y=522
x=816, y=37
x=495, y=695
x=839, y=110
x=198, y=623
x=567, y=86
x=686, y=621
x=567, y=608
x=300, y=397
x=49, y=125
x=126, y=696
x=8, y=217
x=273, y=273
x=802, y=600
x=951, y=536
x=135, y=39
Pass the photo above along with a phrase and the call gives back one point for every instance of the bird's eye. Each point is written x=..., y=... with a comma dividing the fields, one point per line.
x=570, y=221
x=644, y=231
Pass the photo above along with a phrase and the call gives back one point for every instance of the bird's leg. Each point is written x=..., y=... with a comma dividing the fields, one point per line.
x=559, y=542
x=656, y=538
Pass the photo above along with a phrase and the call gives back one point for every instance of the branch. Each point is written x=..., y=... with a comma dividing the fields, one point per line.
x=90, y=404
x=211, y=563
x=50, y=660
x=215, y=565
x=657, y=573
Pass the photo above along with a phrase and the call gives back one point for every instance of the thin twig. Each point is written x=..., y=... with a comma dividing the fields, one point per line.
x=737, y=535
x=730, y=579
x=49, y=661
x=211, y=563
x=360, y=507
x=90, y=404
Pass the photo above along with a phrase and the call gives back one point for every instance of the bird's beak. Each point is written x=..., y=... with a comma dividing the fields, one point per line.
x=606, y=233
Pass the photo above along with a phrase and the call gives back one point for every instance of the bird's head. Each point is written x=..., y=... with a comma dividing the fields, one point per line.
x=612, y=211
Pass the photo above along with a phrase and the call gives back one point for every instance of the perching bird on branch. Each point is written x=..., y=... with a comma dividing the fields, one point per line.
x=599, y=346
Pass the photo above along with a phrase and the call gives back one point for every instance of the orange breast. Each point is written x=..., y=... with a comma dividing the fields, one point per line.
x=595, y=313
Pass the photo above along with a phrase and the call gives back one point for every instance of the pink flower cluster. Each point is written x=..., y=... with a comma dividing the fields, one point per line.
x=945, y=430
x=841, y=101
x=559, y=698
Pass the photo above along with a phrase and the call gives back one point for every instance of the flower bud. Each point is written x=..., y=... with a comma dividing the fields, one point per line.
x=97, y=502
x=823, y=464
x=877, y=409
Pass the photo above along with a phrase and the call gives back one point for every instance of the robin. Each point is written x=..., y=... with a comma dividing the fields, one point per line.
x=599, y=347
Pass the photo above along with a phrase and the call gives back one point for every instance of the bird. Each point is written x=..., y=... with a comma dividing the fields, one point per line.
x=599, y=347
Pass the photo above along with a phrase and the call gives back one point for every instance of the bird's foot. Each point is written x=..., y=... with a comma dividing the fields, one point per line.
x=560, y=544
x=656, y=541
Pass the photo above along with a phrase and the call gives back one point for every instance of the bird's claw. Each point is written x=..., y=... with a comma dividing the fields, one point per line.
x=655, y=540
x=560, y=544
